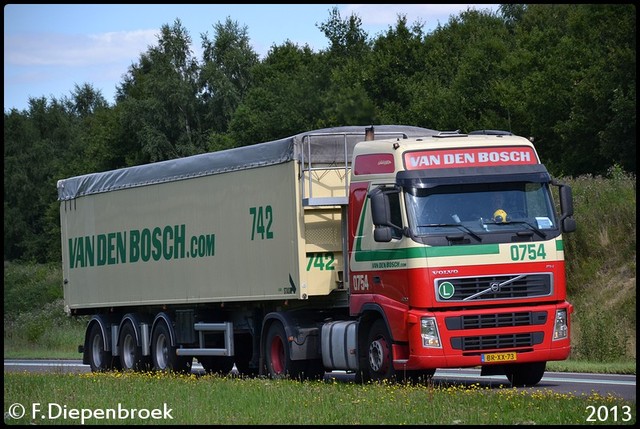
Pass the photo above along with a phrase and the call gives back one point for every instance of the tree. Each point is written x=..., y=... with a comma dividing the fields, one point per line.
x=346, y=100
x=158, y=100
x=284, y=99
x=225, y=75
x=86, y=100
x=346, y=37
x=573, y=68
x=344, y=97
x=37, y=149
x=396, y=57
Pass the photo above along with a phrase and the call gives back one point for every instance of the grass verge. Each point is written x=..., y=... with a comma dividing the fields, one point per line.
x=111, y=398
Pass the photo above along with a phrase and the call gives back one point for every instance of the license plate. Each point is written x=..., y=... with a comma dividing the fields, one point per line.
x=499, y=357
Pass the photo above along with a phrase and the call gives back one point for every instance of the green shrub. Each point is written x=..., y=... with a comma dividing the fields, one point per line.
x=601, y=265
x=30, y=286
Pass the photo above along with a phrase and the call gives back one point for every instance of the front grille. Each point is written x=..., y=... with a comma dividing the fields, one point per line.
x=492, y=342
x=500, y=320
x=511, y=286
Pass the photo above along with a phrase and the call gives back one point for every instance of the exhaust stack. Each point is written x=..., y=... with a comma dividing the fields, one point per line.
x=369, y=134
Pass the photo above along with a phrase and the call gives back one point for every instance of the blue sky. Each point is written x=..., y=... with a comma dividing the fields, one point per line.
x=48, y=48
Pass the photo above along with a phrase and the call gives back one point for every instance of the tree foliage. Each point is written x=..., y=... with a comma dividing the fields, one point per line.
x=562, y=74
x=284, y=99
x=225, y=75
x=159, y=99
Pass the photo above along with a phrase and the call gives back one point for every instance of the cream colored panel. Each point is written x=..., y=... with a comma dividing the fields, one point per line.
x=323, y=238
x=225, y=237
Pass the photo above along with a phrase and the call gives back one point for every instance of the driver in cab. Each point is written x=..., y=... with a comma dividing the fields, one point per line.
x=499, y=212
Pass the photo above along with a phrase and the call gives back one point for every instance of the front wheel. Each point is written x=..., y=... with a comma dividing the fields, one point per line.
x=379, y=365
x=525, y=374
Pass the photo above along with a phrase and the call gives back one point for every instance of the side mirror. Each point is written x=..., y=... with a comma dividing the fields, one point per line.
x=567, y=223
x=382, y=234
x=380, y=208
x=566, y=200
x=381, y=214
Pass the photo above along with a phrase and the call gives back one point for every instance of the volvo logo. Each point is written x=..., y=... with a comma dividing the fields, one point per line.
x=495, y=286
x=436, y=272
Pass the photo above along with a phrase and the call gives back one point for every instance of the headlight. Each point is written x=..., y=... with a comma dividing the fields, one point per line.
x=561, y=328
x=429, y=332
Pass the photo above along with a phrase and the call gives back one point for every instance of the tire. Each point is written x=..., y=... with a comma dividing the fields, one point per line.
x=131, y=357
x=525, y=374
x=100, y=359
x=379, y=364
x=277, y=355
x=163, y=354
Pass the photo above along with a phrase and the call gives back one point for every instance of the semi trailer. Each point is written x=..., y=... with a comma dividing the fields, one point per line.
x=377, y=250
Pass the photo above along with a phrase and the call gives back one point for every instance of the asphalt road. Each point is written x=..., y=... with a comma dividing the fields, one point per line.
x=622, y=386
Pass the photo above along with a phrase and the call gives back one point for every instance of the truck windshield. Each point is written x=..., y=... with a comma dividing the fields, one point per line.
x=481, y=210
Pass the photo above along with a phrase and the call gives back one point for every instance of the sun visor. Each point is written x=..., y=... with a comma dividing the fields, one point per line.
x=461, y=176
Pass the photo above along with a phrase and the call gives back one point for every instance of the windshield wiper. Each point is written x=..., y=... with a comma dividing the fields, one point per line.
x=532, y=227
x=456, y=225
x=524, y=222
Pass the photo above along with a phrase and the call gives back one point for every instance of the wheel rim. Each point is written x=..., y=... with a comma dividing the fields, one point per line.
x=378, y=350
x=128, y=351
x=162, y=352
x=96, y=351
x=277, y=355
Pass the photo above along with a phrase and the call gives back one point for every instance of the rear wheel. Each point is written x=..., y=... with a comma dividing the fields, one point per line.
x=276, y=352
x=163, y=354
x=525, y=374
x=131, y=357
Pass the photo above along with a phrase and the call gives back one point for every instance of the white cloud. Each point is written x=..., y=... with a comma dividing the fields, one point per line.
x=76, y=50
x=46, y=51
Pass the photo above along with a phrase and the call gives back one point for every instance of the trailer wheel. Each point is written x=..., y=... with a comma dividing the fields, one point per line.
x=525, y=374
x=99, y=359
x=163, y=355
x=130, y=354
x=379, y=354
x=276, y=352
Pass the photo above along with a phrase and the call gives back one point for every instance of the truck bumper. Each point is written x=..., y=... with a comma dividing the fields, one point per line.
x=505, y=336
